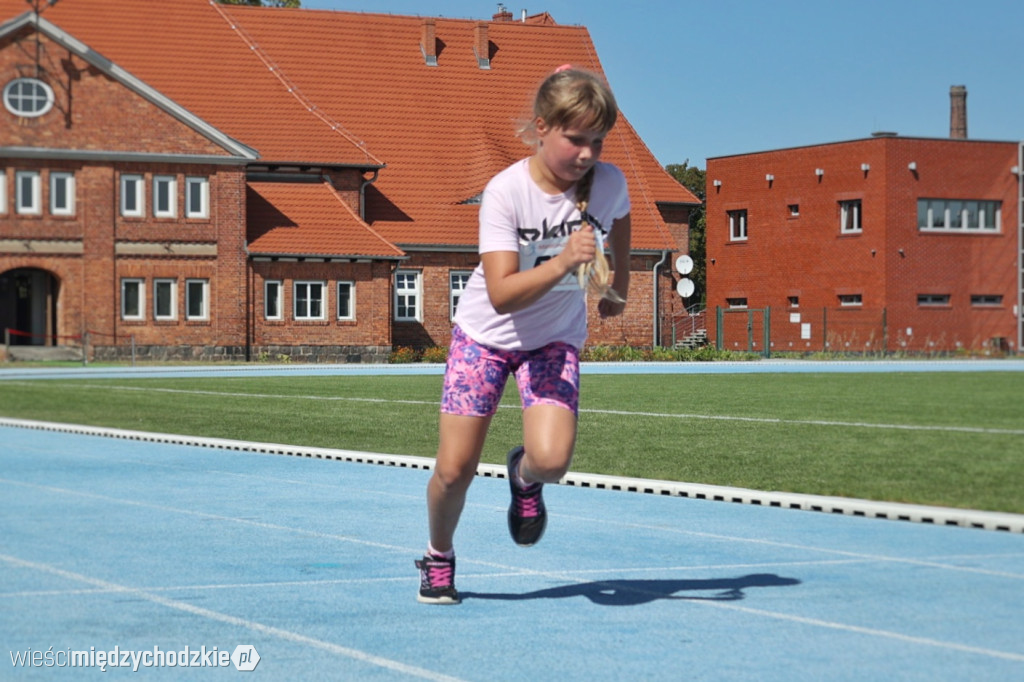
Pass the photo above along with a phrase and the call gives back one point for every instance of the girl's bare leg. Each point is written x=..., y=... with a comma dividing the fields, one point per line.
x=458, y=454
x=549, y=437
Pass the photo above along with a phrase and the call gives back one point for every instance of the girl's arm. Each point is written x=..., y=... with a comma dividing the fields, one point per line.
x=511, y=289
x=619, y=240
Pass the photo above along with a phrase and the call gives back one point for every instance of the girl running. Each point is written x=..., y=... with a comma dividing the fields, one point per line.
x=543, y=225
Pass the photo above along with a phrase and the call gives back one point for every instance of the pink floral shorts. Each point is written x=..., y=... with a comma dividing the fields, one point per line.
x=476, y=375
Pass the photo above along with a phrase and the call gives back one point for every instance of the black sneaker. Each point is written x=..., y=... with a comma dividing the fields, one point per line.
x=437, y=580
x=527, y=517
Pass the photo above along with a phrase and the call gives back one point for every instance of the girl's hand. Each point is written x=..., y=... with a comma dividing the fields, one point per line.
x=580, y=249
x=608, y=308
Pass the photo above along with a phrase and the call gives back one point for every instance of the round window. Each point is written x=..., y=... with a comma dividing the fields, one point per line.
x=28, y=97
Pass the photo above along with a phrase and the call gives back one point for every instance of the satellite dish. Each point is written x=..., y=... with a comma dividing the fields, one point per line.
x=685, y=287
x=684, y=265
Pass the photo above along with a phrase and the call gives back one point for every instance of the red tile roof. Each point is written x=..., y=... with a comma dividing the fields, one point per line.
x=343, y=88
x=308, y=219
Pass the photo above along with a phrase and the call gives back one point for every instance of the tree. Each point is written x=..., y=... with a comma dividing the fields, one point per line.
x=263, y=3
x=693, y=179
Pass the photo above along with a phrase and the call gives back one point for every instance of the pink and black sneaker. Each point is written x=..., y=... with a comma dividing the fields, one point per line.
x=437, y=580
x=527, y=517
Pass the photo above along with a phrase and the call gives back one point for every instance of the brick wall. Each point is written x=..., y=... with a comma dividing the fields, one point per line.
x=890, y=262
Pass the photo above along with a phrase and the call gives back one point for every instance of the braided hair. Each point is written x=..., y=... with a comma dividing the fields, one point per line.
x=595, y=274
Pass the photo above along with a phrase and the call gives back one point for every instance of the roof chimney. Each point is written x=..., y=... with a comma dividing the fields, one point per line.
x=503, y=14
x=428, y=41
x=958, y=112
x=481, y=45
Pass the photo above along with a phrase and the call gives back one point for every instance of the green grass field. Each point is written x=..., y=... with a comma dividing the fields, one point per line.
x=949, y=439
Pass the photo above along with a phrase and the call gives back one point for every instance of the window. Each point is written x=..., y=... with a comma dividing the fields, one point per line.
x=958, y=215
x=165, y=196
x=738, y=225
x=132, y=196
x=132, y=295
x=272, y=304
x=28, y=97
x=309, y=300
x=794, y=301
x=197, y=198
x=849, y=216
x=986, y=299
x=346, y=300
x=165, y=295
x=794, y=210
x=197, y=295
x=736, y=302
x=933, y=299
x=3, y=191
x=850, y=300
x=457, y=284
x=62, y=193
x=407, y=296
x=27, y=195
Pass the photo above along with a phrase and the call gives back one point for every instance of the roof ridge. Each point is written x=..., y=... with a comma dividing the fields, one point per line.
x=289, y=85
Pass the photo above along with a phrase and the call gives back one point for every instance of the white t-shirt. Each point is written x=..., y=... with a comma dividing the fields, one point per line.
x=516, y=215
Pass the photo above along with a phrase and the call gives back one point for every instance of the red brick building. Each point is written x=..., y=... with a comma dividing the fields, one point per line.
x=883, y=244
x=213, y=181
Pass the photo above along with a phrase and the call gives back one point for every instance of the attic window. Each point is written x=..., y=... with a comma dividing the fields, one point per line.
x=28, y=97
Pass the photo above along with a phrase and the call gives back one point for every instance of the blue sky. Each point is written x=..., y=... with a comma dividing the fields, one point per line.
x=706, y=78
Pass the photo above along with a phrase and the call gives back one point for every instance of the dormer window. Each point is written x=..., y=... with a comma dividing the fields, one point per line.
x=28, y=97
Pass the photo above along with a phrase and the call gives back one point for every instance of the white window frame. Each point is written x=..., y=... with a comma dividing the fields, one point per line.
x=307, y=306
x=140, y=304
x=457, y=281
x=172, y=285
x=47, y=98
x=137, y=182
x=200, y=287
x=350, y=295
x=851, y=300
x=66, y=178
x=738, y=225
x=277, y=313
x=201, y=185
x=34, y=204
x=851, y=216
x=171, y=182
x=955, y=215
x=408, y=296
x=3, y=191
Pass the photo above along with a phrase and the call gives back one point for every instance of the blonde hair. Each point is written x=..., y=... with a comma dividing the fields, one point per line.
x=594, y=275
x=572, y=97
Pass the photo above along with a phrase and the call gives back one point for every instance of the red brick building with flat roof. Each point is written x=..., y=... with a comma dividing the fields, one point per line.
x=199, y=180
x=877, y=245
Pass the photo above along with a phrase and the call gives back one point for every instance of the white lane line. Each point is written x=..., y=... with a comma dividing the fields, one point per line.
x=228, y=619
x=621, y=413
x=566, y=577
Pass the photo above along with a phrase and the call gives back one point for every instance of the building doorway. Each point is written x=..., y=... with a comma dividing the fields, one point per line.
x=28, y=307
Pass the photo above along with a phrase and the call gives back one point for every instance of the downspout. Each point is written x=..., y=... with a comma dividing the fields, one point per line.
x=654, y=297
